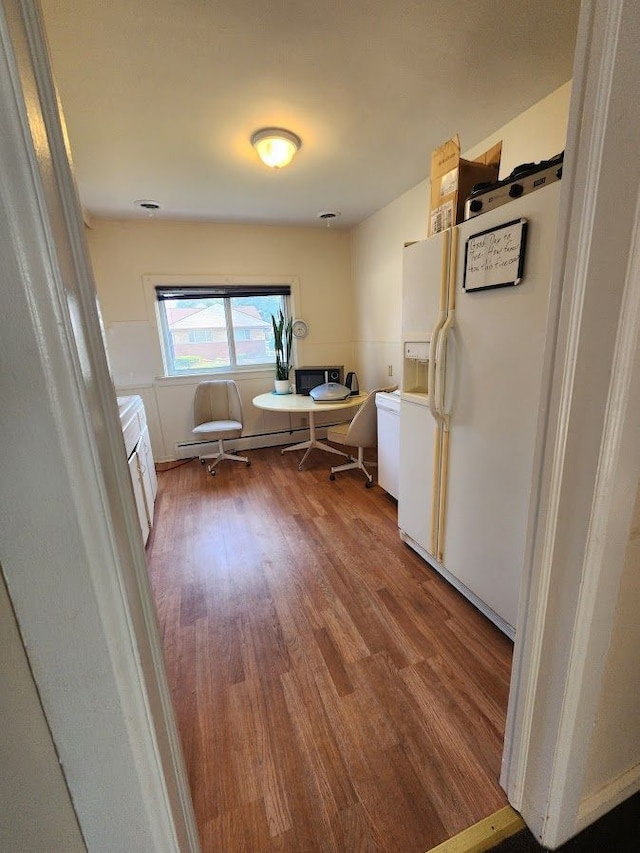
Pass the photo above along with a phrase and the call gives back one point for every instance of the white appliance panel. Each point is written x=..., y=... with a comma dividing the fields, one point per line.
x=388, y=414
x=418, y=434
x=493, y=385
x=421, y=267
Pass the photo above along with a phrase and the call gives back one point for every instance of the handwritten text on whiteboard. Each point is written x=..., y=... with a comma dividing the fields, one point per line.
x=495, y=258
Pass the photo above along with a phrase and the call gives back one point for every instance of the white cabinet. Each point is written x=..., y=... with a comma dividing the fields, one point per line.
x=388, y=406
x=138, y=493
x=140, y=459
x=147, y=471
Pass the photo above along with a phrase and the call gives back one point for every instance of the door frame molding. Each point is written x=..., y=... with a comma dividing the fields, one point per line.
x=72, y=554
x=588, y=463
x=589, y=460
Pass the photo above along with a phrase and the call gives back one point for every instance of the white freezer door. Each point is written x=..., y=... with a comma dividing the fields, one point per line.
x=492, y=388
x=418, y=486
x=422, y=272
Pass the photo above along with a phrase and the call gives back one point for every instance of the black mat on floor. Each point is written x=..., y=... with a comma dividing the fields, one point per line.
x=616, y=832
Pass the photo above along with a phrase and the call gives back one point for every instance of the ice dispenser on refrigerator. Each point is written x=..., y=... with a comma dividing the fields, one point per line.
x=415, y=367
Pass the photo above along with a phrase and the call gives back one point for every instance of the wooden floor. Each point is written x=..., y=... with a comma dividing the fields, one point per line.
x=333, y=693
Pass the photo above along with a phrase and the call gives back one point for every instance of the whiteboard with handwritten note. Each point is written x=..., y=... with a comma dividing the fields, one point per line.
x=495, y=258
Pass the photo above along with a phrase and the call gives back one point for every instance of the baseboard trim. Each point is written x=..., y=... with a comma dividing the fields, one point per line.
x=607, y=798
x=485, y=834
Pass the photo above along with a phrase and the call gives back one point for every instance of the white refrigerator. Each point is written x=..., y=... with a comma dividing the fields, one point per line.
x=468, y=431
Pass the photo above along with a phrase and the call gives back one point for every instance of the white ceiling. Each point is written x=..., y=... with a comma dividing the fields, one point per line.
x=161, y=96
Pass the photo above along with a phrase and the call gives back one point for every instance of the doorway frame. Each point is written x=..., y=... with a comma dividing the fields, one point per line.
x=588, y=454
x=72, y=555
x=587, y=463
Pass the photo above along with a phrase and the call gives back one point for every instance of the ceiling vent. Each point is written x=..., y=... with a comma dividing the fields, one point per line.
x=328, y=216
x=147, y=205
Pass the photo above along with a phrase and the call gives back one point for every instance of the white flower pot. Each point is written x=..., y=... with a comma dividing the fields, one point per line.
x=282, y=386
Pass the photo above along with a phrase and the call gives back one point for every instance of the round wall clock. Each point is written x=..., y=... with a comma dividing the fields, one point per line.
x=300, y=329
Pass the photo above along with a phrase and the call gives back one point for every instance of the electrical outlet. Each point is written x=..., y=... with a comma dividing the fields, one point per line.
x=390, y=370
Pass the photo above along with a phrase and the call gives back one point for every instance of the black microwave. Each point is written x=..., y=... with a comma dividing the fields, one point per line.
x=308, y=377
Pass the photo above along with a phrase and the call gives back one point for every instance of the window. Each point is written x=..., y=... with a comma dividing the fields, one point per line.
x=227, y=327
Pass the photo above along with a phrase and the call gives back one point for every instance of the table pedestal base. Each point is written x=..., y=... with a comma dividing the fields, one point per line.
x=311, y=444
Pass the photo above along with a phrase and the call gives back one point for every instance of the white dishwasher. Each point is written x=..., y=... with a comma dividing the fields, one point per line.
x=388, y=406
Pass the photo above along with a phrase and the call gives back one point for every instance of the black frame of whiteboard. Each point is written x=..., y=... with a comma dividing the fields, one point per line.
x=523, y=247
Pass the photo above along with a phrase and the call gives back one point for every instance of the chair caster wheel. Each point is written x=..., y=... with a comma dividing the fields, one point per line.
x=202, y=461
x=332, y=476
x=368, y=484
x=248, y=464
x=212, y=471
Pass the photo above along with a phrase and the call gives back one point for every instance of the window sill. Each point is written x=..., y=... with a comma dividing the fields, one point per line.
x=238, y=374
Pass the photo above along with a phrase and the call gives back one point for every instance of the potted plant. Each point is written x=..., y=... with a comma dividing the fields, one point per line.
x=282, y=339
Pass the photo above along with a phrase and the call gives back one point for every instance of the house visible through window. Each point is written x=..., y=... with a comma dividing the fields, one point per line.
x=211, y=328
x=200, y=336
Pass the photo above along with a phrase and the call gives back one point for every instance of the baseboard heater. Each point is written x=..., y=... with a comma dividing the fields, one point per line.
x=188, y=449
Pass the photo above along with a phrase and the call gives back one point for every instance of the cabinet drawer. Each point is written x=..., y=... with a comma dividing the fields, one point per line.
x=131, y=433
x=132, y=419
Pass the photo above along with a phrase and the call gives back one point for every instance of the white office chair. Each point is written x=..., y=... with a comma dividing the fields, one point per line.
x=218, y=415
x=361, y=432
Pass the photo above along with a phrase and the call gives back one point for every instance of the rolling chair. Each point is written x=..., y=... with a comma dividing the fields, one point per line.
x=361, y=432
x=218, y=415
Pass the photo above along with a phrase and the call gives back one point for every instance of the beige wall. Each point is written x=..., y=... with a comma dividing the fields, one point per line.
x=36, y=813
x=317, y=260
x=535, y=135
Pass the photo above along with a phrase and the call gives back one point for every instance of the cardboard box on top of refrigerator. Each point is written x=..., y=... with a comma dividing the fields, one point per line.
x=452, y=180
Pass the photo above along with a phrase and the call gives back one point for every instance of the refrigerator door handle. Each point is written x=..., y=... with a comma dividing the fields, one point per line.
x=437, y=329
x=441, y=365
x=441, y=350
x=431, y=371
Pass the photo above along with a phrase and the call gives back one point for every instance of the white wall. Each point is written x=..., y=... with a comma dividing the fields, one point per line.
x=574, y=696
x=123, y=252
x=36, y=812
x=535, y=135
x=72, y=558
x=612, y=755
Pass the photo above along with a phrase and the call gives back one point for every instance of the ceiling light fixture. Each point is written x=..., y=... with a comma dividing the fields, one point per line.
x=276, y=147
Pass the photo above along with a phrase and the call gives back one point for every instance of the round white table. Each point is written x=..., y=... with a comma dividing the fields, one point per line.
x=303, y=404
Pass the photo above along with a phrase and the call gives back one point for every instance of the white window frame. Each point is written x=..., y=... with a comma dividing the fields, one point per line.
x=150, y=282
